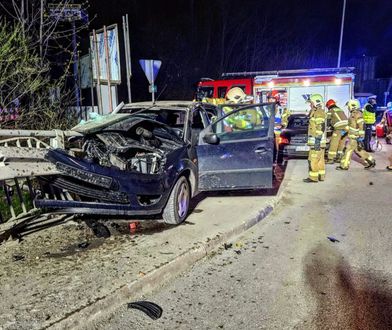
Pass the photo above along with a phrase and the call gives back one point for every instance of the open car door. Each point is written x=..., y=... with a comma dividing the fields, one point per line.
x=236, y=151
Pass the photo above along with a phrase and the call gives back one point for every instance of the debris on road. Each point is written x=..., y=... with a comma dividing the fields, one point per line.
x=237, y=251
x=18, y=257
x=227, y=246
x=239, y=245
x=333, y=239
x=149, y=308
x=83, y=245
x=370, y=183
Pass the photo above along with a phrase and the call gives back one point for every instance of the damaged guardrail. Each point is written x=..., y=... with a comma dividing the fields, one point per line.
x=22, y=160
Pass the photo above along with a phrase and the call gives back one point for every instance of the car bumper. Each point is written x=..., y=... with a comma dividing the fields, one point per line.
x=86, y=188
x=296, y=150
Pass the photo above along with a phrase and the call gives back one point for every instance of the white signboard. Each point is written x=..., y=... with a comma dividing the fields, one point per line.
x=98, y=50
x=298, y=96
x=341, y=94
x=86, y=78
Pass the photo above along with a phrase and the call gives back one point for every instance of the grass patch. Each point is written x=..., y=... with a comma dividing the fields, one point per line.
x=4, y=207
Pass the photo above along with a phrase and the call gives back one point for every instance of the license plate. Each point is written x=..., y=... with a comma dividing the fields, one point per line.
x=302, y=148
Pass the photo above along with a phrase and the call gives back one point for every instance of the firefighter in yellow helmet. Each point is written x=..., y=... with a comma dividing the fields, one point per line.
x=245, y=119
x=339, y=123
x=316, y=139
x=356, y=137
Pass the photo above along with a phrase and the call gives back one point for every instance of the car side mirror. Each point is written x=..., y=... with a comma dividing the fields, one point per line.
x=211, y=138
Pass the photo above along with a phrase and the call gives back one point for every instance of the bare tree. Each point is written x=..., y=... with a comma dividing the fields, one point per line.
x=36, y=63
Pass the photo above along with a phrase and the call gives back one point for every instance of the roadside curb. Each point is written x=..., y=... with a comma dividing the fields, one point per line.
x=99, y=308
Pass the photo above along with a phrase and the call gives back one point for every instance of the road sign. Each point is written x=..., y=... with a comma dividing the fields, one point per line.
x=151, y=69
x=67, y=12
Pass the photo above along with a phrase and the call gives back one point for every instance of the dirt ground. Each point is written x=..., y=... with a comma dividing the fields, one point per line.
x=67, y=265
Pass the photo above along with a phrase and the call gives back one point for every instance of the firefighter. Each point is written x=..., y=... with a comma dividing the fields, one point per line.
x=339, y=123
x=356, y=138
x=245, y=119
x=285, y=117
x=316, y=139
x=369, y=117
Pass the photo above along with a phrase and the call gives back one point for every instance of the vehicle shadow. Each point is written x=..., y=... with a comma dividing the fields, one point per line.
x=346, y=298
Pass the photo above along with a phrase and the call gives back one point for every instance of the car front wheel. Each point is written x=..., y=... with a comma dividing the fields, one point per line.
x=177, y=206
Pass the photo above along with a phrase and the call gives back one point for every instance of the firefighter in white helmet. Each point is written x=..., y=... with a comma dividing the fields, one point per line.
x=245, y=119
x=356, y=135
x=316, y=139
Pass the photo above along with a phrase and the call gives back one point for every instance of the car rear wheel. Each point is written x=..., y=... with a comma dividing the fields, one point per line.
x=177, y=206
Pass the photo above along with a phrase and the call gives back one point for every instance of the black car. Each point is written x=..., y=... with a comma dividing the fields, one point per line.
x=152, y=158
x=293, y=139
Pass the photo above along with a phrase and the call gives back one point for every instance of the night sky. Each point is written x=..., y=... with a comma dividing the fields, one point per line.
x=203, y=38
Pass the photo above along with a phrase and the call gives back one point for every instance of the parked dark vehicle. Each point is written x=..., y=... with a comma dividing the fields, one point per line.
x=293, y=139
x=152, y=159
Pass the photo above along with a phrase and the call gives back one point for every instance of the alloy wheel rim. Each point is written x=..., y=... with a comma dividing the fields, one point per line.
x=183, y=200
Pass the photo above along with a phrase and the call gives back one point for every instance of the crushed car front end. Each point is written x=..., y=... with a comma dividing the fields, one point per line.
x=124, y=168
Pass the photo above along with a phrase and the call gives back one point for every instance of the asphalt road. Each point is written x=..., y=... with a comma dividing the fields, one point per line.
x=285, y=273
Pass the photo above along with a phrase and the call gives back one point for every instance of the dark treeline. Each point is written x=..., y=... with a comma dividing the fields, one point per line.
x=204, y=38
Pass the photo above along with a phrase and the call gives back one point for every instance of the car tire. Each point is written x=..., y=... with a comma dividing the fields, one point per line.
x=177, y=206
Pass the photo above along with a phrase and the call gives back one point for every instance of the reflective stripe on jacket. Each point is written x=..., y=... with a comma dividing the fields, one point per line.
x=338, y=118
x=355, y=123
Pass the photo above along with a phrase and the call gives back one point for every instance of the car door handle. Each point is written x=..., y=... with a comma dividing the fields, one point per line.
x=260, y=151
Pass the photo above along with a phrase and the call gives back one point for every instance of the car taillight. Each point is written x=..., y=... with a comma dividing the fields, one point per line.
x=283, y=140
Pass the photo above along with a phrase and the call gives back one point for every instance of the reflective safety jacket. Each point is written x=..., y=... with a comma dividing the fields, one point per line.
x=337, y=117
x=369, y=114
x=355, y=124
x=316, y=130
x=215, y=100
x=245, y=119
x=285, y=117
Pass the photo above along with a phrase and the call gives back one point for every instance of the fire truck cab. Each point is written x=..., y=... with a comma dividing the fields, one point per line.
x=210, y=88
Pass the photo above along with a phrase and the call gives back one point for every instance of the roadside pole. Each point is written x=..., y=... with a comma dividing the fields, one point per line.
x=341, y=33
x=128, y=63
x=98, y=86
x=105, y=42
x=152, y=81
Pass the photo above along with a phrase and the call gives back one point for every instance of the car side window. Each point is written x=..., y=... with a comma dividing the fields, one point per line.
x=244, y=123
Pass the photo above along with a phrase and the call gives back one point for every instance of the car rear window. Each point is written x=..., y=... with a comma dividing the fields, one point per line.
x=299, y=122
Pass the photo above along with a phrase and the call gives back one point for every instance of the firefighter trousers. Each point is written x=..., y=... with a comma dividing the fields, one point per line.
x=337, y=144
x=353, y=146
x=316, y=165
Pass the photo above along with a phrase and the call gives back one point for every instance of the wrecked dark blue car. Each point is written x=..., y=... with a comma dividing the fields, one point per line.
x=152, y=159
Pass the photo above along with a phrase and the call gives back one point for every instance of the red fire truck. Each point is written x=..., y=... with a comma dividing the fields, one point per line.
x=293, y=86
x=211, y=88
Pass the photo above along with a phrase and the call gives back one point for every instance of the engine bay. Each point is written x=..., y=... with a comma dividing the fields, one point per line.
x=140, y=149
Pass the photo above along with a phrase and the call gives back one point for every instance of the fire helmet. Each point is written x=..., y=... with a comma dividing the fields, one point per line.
x=353, y=105
x=316, y=100
x=236, y=95
x=330, y=103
